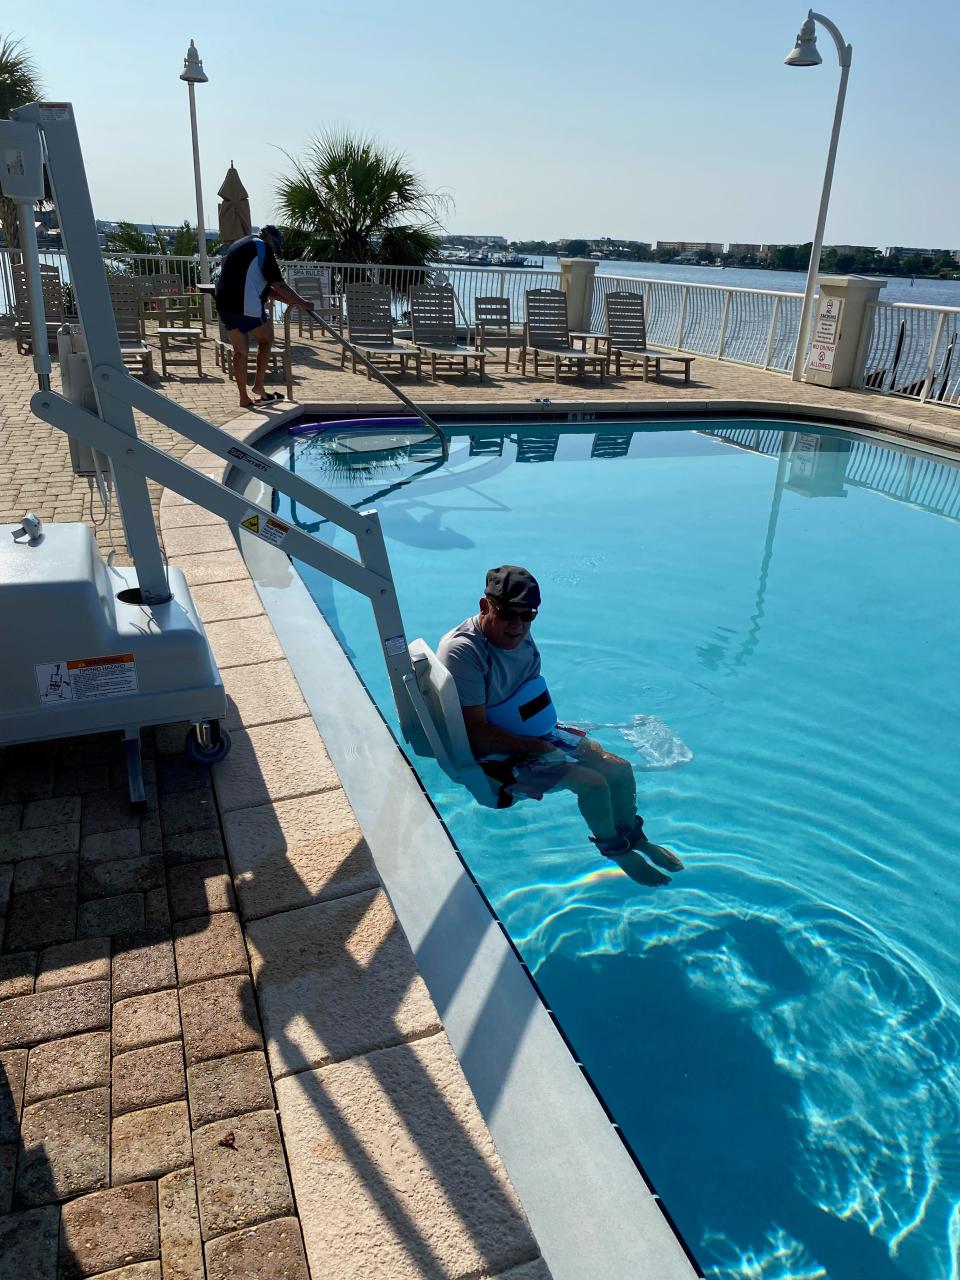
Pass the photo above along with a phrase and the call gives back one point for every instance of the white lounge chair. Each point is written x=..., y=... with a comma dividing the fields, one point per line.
x=126, y=296
x=370, y=324
x=433, y=323
x=547, y=336
x=626, y=337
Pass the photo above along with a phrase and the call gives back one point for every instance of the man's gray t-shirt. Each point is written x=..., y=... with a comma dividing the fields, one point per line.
x=484, y=673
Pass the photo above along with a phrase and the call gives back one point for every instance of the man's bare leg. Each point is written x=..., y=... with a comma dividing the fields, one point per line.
x=241, y=349
x=619, y=777
x=623, y=799
x=264, y=340
x=593, y=798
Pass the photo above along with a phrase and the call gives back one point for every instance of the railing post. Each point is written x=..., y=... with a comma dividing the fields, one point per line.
x=932, y=360
x=774, y=320
x=683, y=315
x=842, y=314
x=576, y=280
x=723, y=324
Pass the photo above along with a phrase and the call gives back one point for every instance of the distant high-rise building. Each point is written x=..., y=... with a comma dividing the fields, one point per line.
x=690, y=246
x=904, y=251
x=744, y=250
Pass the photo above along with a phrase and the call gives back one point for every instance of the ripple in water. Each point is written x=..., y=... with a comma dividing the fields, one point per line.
x=844, y=1047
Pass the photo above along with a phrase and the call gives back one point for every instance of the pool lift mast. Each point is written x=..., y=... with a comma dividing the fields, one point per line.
x=98, y=647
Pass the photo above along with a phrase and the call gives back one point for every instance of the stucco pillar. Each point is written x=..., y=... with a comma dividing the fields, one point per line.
x=576, y=280
x=838, y=327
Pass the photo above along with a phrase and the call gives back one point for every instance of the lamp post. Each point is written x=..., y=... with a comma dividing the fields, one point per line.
x=194, y=74
x=805, y=54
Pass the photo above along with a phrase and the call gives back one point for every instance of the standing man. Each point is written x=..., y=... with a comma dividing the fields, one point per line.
x=512, y=725
x=249, y=274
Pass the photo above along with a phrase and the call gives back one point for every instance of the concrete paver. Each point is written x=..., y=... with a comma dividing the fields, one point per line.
x=65, y=1147
x=219, y=1018
x=200, y=889
x=293, y=852
x=17, y=971
x=142, y=965
x=241, y=1173
x=13, y=1070
x=73, y=962
x=262, y=694
x=148, y=1143
x=387, y=1188
x=50, y=1015
x=273, y=762
x=210, y=947
x=67, y=1066
x=181, y=1250
x=349, y=963
x=109, y=1229
x=144, y=1020
x=224, y=1087
x=270, y=1251
x=29, y=1244
x=148, y=1077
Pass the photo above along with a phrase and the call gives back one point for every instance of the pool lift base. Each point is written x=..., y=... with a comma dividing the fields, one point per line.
x=140, y=655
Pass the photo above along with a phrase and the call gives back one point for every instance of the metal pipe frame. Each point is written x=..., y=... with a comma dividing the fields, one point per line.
x=71, y=193
x=370, y=574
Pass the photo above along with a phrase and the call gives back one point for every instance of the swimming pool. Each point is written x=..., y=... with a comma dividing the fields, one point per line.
x=763, y=621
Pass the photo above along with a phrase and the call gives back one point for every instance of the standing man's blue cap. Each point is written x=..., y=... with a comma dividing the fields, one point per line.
x=274, y=234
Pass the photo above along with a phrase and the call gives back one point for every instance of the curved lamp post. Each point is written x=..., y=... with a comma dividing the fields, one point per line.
x=805, y=54
x=194, y=74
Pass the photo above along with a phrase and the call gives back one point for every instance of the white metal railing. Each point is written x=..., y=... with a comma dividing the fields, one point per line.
x=745, y=326
x=911, y=478
x=468, y=282
x=910, y=350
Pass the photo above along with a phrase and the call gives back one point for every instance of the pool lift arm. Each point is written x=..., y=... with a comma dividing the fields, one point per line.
x=151, y=621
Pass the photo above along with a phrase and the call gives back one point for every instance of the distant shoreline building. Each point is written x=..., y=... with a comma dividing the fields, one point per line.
x=690, y=246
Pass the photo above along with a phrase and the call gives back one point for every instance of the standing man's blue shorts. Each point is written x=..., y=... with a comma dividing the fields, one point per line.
x=244, y=323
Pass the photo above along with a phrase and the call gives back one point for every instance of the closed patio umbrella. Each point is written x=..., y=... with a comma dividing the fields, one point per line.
x=234, y=209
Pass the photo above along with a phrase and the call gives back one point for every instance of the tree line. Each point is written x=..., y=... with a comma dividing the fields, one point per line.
x=838, y=259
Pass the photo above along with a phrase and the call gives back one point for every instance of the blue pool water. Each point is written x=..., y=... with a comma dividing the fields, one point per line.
x=765, y=625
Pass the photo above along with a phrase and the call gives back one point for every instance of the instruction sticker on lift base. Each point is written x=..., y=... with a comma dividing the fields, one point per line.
x=86, y=679
x=269, y=528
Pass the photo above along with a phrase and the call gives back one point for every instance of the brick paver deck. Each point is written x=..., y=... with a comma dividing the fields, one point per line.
x=172, y=983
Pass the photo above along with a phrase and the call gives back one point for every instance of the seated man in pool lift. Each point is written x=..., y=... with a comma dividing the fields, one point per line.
x=512, y=725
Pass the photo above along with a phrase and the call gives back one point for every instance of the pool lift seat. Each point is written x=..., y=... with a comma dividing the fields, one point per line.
x=433, y=694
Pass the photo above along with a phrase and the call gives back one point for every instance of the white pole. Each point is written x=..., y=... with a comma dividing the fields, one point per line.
x=201, y=231
x=845, y=53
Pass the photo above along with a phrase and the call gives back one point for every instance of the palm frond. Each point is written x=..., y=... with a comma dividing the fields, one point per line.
x=352, y=197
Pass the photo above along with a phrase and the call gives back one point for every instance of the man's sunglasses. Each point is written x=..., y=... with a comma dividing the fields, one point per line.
x=506, y=614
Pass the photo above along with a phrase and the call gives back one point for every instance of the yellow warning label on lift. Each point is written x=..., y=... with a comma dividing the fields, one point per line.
x=266, y=527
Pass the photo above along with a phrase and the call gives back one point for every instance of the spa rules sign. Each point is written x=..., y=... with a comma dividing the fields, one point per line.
x=825, y=332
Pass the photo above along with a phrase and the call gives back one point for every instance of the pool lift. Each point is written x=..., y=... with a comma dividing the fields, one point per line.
x=96, y=647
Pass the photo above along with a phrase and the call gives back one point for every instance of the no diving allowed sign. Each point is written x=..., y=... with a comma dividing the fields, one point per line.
x=269, y=528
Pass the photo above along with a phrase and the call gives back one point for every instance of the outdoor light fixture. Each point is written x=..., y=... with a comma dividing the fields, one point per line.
x=194, y=74
x=806, y=54
x=193, y=71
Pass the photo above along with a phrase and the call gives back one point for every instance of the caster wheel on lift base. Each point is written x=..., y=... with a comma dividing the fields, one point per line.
x=207, y=743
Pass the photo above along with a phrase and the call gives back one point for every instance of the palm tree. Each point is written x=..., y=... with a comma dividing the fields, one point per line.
x=128, y=238
x=19, y=84
x=352, y=200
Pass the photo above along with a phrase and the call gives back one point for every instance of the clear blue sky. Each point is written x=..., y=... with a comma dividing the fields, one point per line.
x=540, y=118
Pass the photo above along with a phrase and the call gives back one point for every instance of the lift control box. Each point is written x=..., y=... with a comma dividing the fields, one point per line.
x=79, y=653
